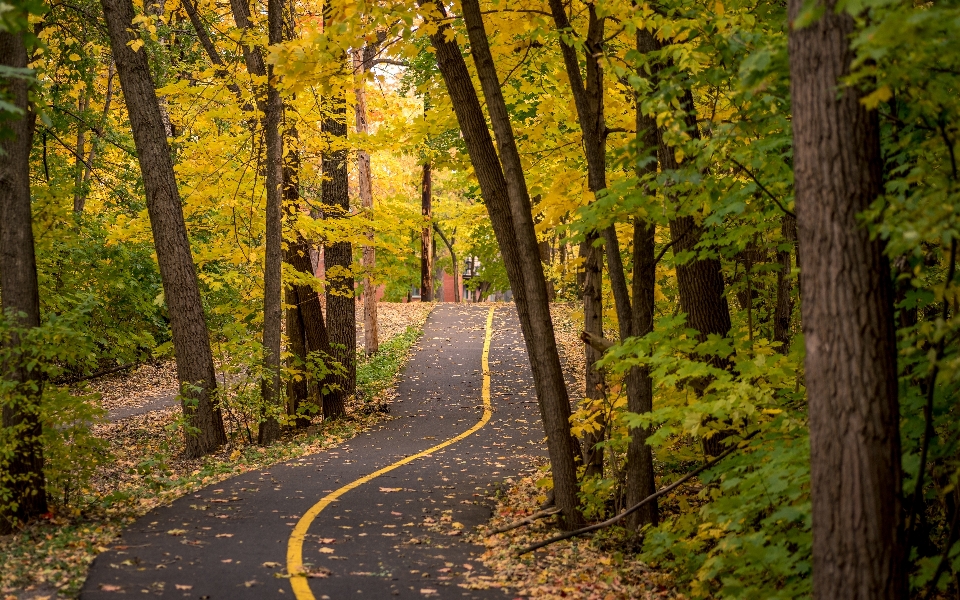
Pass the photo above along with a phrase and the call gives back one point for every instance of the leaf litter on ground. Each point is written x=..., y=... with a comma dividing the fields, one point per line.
x=49, y=558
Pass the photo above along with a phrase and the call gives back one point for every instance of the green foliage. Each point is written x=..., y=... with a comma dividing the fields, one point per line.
x=72, y=454
x=377, y=373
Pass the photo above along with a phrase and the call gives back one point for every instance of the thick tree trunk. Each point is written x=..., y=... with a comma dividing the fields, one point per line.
x=191, y=340
x=426, y=236
x=508, y=204
x=859, y=547
x=273, y=252
x=783, y=313
x=371, y=331
x=338, y=256
x=21, y=472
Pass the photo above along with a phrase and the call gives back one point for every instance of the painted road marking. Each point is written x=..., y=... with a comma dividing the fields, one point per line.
x=298, y=578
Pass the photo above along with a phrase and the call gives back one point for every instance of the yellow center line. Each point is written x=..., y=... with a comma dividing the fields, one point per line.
x=298, y=575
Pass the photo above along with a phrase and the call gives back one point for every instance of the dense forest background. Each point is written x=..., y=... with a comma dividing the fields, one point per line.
x=180, y=168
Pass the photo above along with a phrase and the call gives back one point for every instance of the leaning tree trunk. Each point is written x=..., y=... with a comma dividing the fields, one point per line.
x=21, y=471
x=859, y=547
x=371, y=328
x=508, y=204
x=338, y=257
x=191, y=340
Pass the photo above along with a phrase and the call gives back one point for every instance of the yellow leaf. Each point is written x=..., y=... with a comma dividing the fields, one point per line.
x=74, y=56
x=135, y=44
x=872, y=100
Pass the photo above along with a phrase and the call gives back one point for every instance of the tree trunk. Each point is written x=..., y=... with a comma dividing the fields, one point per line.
x=859, y=547
x=508, y=204
x=426, y=236
x=191, y=340
x=338, y=256
x=88, y=172
x=298, y=389
x=784, y=310
x=593, y=324
x=371, y=333
x=641, y=480
x=453, y=260
x=273, y=252
x=314, y=329
x=78, y=197
x=21, y=472
x=587, y=92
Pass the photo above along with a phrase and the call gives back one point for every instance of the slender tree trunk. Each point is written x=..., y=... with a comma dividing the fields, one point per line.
x=371, y=333
x=508, y=204
x=859, y=547
x=78, y=195
x=88, y=172
x=273, y=252
x=593, y=324
x=453, y=260
x=314, y=329
x=426, y=236
x=588, y=98
x=21, y=471
x=298, y=389
x=784, y=310
x=191, y=340
x=297, y=255
x=641, y=481
x=338, y=256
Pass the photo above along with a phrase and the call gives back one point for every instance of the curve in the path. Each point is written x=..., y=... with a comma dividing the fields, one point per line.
x=396, y=535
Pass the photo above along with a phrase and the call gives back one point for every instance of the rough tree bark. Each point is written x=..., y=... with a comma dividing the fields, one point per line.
x=273, y=253
x=191, y=340
x=19, y=299
x=641, y=481
x=426, y=235
x=784, y=310
x=859, y=546
x=371, y=332
x=508, y=204
x=338, y=256
x=699, y=280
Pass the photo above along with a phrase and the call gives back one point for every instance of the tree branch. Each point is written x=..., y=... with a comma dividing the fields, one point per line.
x=762, y=187
x=635, y=507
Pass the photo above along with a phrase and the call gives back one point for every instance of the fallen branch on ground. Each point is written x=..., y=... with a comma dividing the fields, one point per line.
x=635, y=507
x=525, y=521
x=98, y=374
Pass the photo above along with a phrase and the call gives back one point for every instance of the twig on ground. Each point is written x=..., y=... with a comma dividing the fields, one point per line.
x=578, y=532
x=525, y=521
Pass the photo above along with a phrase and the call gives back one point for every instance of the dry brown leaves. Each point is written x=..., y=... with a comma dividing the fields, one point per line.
x=49, y=558
x=393, y=318
x=575, y=568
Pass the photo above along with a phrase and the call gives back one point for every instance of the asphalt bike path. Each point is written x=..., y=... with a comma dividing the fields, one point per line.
x=380, y=516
